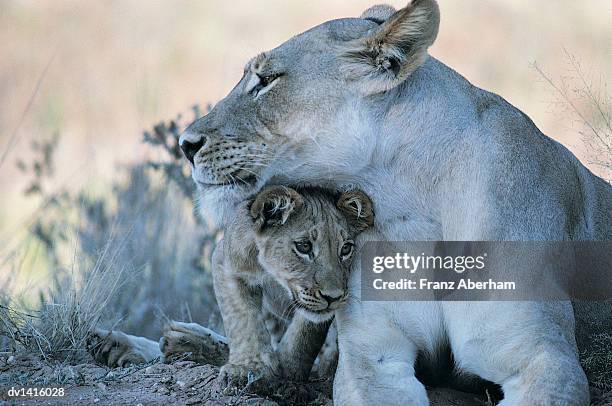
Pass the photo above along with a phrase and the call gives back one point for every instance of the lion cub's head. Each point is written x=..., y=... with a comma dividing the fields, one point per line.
x=305, y=241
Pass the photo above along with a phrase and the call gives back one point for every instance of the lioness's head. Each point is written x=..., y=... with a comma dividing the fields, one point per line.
x=297, y=110
x=306, y=242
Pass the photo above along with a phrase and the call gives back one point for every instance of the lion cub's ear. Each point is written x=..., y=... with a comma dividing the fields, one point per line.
x=273, y=205
x=385, y=58
x=357, y=207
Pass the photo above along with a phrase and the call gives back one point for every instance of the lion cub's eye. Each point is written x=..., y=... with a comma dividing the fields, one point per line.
x=303, y=247
x=346, y=249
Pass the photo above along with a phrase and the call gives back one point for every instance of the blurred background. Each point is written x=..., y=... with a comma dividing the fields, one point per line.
x=82, y=195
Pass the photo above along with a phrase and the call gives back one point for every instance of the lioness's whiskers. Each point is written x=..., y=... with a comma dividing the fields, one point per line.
x=246, y=170
x=232, y=179
x=236, y=177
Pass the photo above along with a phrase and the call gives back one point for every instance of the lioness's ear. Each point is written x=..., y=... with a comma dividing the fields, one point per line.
x=383, y=59
x=357, y=207
x=378, y=13
x=273, y=205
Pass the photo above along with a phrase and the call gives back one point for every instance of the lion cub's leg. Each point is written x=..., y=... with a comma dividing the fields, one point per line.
x=300, y=346
x=275, y=325
x=328, y=357
x=117, y=349
x=193, y=342
x=251, y=355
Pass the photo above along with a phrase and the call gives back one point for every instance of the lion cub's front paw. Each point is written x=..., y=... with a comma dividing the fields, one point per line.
x=254, y=374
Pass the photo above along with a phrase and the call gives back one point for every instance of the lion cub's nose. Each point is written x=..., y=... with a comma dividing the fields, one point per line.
x=191, y=146
x=331, y=295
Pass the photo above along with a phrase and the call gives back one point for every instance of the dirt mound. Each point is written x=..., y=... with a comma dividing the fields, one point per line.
x=182, y=382
x=179, y=383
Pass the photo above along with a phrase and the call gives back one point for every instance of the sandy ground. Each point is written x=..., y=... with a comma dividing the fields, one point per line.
x=180, y=383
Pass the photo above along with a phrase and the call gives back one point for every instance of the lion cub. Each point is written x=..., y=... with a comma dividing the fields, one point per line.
x=287, y=252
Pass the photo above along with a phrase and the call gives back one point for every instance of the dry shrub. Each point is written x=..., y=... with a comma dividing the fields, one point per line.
x=587, y=100
x=165, y=249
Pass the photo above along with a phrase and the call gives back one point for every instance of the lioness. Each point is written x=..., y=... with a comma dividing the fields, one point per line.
x=285, y=251
x=359, y=102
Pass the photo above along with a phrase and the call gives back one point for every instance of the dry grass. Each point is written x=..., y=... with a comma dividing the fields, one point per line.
x=77, y=302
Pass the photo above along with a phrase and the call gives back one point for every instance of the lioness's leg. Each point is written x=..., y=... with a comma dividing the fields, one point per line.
x=300, y=346
x=251, y=351
x=117, y=349
x=528, y=348
x=194, y=343
x=376, y=362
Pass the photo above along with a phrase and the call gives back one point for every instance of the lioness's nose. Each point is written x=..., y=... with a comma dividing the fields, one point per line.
x=191, y=148
x=195, y=135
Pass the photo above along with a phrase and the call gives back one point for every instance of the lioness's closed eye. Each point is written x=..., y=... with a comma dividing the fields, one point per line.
x=286, y=250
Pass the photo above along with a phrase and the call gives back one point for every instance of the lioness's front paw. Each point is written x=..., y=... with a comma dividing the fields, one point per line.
x=193, y=342
x=113, y=349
